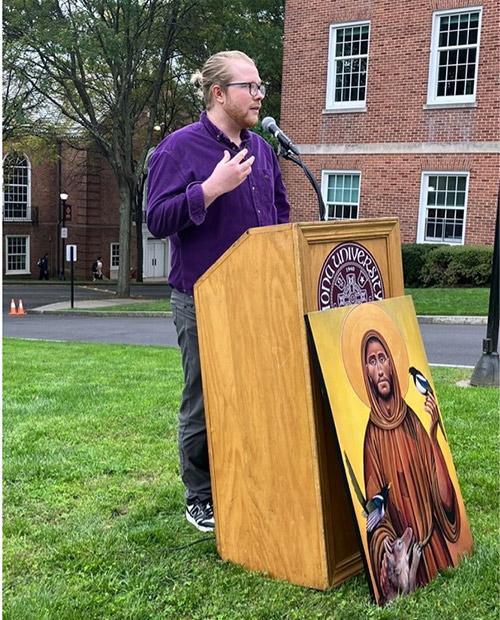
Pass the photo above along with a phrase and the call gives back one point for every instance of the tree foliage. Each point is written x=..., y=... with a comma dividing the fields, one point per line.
x=110, y=71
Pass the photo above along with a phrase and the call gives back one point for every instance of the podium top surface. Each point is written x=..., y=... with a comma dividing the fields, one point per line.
x=331, y=231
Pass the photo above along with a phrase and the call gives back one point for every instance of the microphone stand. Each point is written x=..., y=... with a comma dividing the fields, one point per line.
x=288, y=154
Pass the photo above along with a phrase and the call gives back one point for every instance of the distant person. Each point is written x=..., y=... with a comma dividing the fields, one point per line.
x=43, y=266
x=210, y=182
x=97, y=269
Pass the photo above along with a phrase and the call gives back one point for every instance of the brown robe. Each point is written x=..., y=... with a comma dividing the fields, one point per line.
x=397, y=450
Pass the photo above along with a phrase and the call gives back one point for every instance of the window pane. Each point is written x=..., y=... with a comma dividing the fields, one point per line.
x=472, y=36
x=461, y=183
x=462, y=37
x=16, y=253
x=343, y=198
x=16, y=186
x=351, y=48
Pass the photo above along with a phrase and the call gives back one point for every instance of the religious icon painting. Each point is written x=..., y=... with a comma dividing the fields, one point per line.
x=398, y=465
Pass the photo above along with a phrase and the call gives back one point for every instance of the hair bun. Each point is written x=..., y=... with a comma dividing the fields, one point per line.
x=197, y=80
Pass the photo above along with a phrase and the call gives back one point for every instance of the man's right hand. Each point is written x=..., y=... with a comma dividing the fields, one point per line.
x=227, y=174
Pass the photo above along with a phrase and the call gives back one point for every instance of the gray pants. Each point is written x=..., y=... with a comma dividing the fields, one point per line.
x=193, y=446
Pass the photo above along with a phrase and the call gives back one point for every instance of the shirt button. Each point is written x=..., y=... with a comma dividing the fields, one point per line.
x=253, y=187
x=258, y=211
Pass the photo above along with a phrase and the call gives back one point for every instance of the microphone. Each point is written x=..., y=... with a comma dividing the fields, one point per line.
x=269, y=125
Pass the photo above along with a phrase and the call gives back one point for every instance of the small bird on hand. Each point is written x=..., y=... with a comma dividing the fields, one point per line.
x=421, y=383
x=374, y=508
x=424, y=387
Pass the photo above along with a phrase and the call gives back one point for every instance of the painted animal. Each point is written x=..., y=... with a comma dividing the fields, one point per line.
x=400, y=564
x=424, y=387
x=373, y=508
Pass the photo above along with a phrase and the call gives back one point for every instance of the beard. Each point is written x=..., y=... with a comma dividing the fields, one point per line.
x=385, y=394
x=243, y=117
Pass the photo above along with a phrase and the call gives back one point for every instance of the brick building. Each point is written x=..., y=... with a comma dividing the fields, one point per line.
x=395, y=108
x=33, y=215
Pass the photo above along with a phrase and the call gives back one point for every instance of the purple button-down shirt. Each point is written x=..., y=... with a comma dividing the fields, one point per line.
x=176, y=209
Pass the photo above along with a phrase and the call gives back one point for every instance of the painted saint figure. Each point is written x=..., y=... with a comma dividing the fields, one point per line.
x=410, y=544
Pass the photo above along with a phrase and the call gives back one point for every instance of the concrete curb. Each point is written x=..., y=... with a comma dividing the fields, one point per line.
x=111, y=313
x=452, y=320
x=423, y=319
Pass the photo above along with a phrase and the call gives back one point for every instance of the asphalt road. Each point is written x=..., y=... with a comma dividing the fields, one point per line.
x=117, y=330
x=35, y=295
x=454, y=345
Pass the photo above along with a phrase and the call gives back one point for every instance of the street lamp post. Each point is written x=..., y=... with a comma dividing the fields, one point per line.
x=62, y=219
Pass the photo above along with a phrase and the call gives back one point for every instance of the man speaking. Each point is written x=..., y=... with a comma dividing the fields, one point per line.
x=208, y=183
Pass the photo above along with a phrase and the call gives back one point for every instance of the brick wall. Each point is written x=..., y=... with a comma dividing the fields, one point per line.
x=396, y=111
x=93, y=195
x=390, y=187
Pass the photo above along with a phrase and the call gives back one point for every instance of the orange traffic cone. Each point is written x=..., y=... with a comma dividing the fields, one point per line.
x=20, y=309
x=13, y=309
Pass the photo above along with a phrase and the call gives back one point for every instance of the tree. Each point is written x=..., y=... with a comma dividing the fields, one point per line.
x=252, y=26
x=103, y=64
x=116, y=69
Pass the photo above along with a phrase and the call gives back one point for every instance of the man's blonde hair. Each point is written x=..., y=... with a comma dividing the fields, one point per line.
x=216, y=70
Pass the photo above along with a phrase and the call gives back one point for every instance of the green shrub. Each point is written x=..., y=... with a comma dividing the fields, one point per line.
x=448, y=266
x=413, y=260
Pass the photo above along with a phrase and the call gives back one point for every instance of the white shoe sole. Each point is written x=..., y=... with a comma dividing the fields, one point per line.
x=202, y=528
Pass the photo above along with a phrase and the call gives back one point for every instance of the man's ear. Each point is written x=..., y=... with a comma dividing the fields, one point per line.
x=217, y=93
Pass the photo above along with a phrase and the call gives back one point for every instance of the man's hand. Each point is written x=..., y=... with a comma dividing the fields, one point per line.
x=227, y=174
x=431, y=407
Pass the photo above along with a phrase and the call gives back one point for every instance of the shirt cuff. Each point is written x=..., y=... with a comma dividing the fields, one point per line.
x=196, y=203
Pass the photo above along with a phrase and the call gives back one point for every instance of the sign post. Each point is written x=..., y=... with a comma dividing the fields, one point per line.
x=71, y=258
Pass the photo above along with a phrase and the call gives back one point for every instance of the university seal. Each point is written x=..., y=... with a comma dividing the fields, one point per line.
x=350, y=275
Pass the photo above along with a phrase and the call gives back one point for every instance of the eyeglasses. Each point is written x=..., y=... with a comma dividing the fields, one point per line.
x=253, y=87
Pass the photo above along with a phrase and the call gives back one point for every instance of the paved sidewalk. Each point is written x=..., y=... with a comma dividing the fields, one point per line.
x=93, y=306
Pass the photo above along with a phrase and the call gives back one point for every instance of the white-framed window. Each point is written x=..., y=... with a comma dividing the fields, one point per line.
x=454, y=56
x=114, y=258
x=17, y=254
x=443, y=207
x=347, y=66
x=340, y=190
x=16, y=187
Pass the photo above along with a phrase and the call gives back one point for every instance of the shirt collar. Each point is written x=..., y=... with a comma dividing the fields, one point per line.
x=219, y=135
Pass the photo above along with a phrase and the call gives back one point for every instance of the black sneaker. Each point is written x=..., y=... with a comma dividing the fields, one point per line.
x=201, y=515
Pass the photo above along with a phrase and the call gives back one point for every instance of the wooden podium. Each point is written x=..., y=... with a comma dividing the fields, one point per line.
x=280, y=500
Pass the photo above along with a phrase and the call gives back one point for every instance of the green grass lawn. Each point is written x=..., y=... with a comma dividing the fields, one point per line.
x=450, y=301
x=93, y=504
x=155, y=305
x=435, y=301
